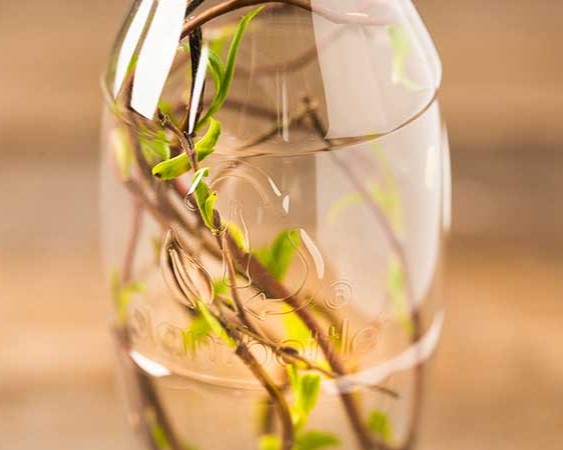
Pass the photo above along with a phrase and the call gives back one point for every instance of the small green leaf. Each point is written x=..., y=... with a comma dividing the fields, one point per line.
x=306, y=388
x=389, y=201
x=401, y=46
x=343, y=203
x=199, y=185
x=206, y=145
x=220, y=287
x=181, y=164
x=223, y=91
x=309, y=394
x=269, y=442
x=278, y=257
x=379, y=423
x=168, y=110
x=295, y=329
x=396, y=289
x=217, y=68
x=238, y=236
x=205, y=199
x=294, y=378
x=156, y=245
x=196, y=333
x=209, y=209
x=123, y=153
x=122, y=295
x=316, y=440
x=155, y=146
x=172, y=168
x=215, y=325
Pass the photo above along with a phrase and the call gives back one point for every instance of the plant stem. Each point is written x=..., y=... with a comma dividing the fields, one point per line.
x=276, y=396
x=292, y=356
x=184, y=139
x=145, y=396
x=240, y=309
x=268, y=284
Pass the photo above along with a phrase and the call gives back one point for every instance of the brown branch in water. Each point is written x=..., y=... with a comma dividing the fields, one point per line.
x=397, y=248
x=184, y=139
x=296, y=118
x=276, y=396
x=270, y=285
x=264, y=281
x=145, y=396
x=231, y=272
x=291, y=356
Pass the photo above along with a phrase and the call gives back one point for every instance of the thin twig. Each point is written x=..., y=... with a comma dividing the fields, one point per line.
x=184, y=139
x=264, y=281
x=292, y=356
x=132, y=242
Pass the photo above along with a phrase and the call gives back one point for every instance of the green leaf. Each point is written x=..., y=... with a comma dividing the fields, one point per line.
x=198, y=186
x=172, y=168
x=196, y=333
x=309, y=393
x=237, y=235
x=181, y=164
x=306, y=388
x=168, y=110
x=206, y=145
x=209, y=209
x=223, y=91
x=343, y=203
x=401, y=46
x=295, y=329
x=220, y=287
x=205, y=199
x=397, y=291
x=315, y=440
x=379, y=423
x=278, y=257
x=155, y=146
x=122, y=295
x=269, y=442
x=215, y=325
x=217, y=68
x=123, y=153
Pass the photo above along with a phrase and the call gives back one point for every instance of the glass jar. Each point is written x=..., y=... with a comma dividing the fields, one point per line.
x=275, y=189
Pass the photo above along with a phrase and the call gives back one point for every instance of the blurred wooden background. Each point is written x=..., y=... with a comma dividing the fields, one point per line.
x=497, y=378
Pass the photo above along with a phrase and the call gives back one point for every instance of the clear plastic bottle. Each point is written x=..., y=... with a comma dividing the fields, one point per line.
x=284, y=293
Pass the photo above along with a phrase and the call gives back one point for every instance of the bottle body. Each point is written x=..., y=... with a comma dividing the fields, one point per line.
x=273, y=197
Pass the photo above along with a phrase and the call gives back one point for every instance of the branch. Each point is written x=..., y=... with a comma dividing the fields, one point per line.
x=278, y=399
x=264, y=281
